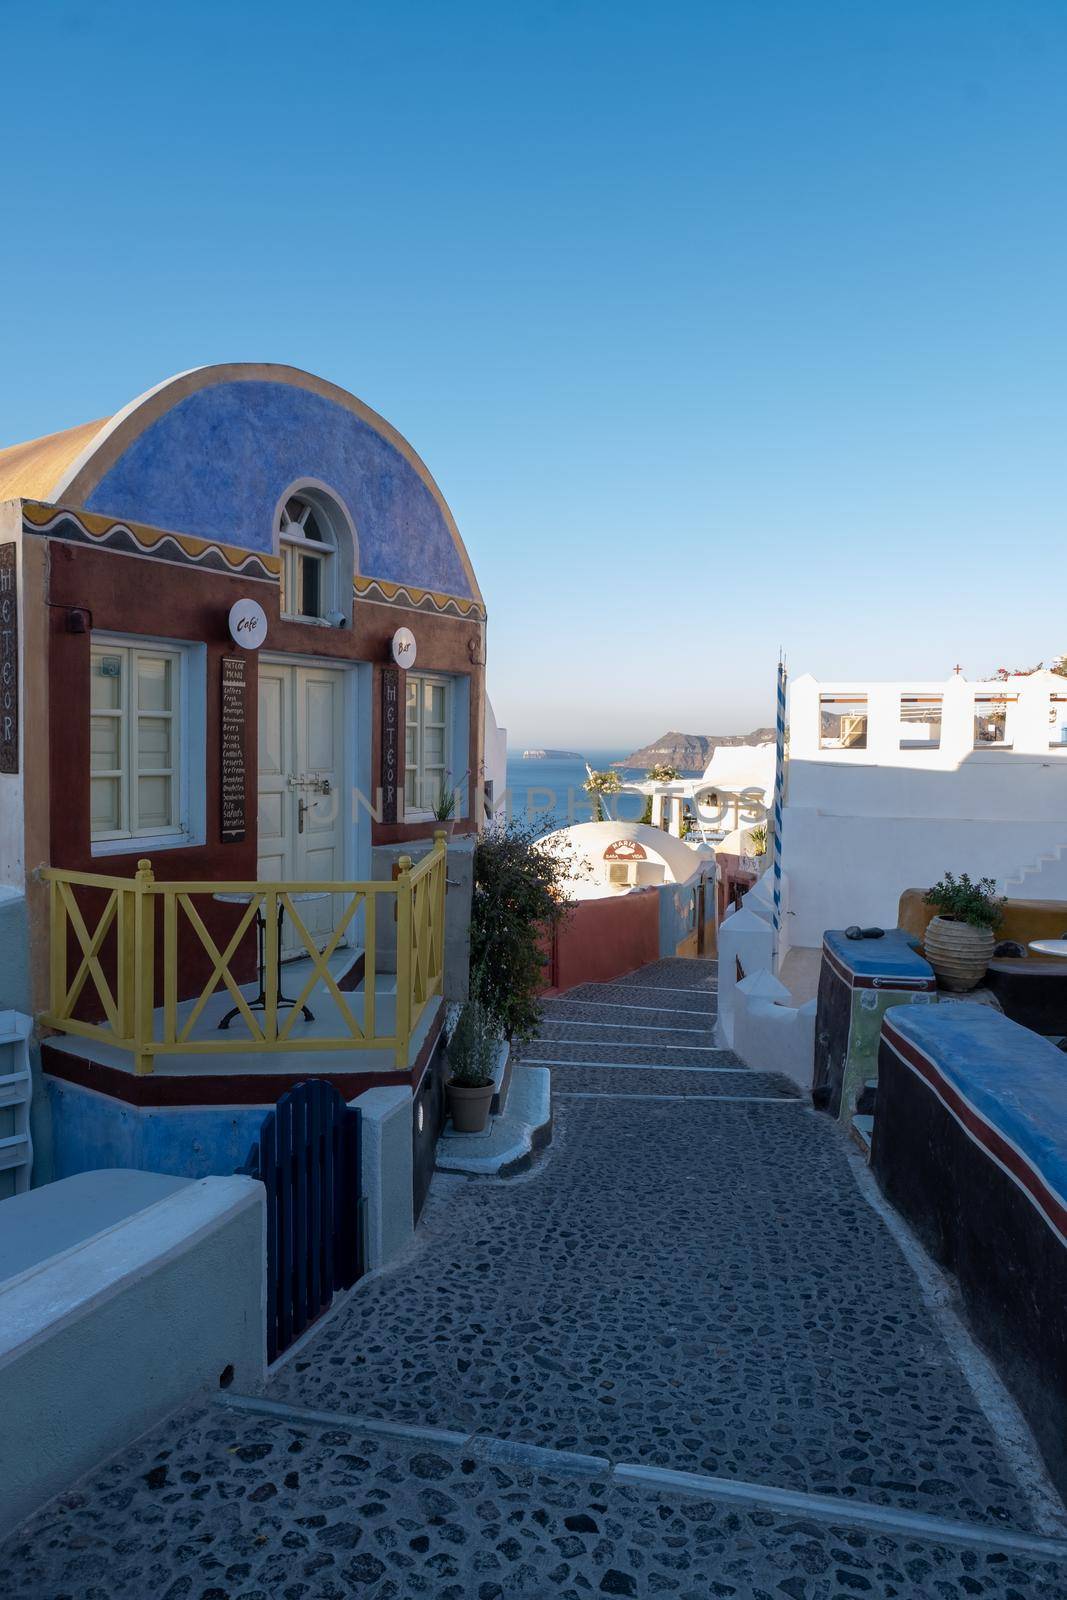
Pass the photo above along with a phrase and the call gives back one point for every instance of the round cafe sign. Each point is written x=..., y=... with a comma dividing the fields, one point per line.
x=248, y=623
x=404, y=647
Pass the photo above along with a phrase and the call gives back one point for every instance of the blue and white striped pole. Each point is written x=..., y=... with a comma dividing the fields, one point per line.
x=779, y=796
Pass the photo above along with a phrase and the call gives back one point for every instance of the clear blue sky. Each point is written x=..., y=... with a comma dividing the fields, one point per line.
x=722, y=325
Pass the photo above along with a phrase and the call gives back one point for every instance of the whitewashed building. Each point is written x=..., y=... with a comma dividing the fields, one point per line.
x=887, y=787
x=890, y=784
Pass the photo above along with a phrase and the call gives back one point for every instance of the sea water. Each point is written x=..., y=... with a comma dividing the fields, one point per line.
x=550, y=794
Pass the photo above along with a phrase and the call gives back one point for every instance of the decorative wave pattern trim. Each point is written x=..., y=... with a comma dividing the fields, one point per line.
x=134, y=538
x=413, y=599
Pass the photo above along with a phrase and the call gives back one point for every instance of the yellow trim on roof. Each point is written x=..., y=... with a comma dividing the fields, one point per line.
x=29, y=471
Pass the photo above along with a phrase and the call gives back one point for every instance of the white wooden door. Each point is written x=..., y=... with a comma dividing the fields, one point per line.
x=301, y=773
x=277, y=797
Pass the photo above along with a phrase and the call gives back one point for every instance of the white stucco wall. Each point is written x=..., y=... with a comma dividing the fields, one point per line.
x=101, y=1341
x=760, y=898
x=747, y=937
x=770, y=1033
x=666, y=858
x=860, y=826
x=495, y=758
x=386, y=1162
x=756, y=1016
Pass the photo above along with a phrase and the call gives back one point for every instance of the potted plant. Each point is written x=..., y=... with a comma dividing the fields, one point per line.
x=959, y=940
x=472, y=1048
x=444, y=807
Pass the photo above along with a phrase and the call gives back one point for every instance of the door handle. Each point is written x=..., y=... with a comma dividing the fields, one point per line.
x=301, y=807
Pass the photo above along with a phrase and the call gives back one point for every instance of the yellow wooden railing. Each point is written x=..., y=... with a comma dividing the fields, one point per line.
x=132, y=1019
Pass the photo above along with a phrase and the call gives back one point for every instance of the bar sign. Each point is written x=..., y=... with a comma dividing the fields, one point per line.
x=9, y=661
x=390, y=741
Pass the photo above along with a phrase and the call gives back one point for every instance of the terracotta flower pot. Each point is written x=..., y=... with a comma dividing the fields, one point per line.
x=958, y=952
x=469, y=1108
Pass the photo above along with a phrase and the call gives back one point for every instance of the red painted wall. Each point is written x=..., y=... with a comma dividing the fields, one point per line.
x=157, y=599
x=131, y=596
x=601, y=939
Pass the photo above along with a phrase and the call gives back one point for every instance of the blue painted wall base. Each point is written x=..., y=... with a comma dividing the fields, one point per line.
x=91, y=1130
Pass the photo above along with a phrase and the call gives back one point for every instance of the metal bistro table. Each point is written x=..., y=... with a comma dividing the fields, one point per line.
x=1049, y=947
x=281, y=1001
x=1032, y=989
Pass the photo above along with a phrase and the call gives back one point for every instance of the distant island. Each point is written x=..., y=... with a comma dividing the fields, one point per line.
x=552, y=755
x=690, y=752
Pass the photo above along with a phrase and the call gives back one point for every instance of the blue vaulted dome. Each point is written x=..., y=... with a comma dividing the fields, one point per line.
x=213, y=452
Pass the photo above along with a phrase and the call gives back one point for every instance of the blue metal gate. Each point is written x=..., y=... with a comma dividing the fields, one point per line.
x=307, y=1157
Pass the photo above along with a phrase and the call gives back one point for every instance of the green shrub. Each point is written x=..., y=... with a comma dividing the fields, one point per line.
x=519, y=896
x=963, y=900
x=472, y=1046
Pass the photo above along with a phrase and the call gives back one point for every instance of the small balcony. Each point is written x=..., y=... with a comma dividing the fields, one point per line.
x=179, y=979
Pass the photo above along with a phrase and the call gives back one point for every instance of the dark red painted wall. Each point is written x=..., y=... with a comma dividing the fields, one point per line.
x=733, y=882
x=130, y=595
x=155, y=599
x=601, y=939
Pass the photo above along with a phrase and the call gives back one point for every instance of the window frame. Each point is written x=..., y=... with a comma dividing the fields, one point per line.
x=186, y=768
x=295, y=549
x=914, y=698
x=414, y=811
x=1009, y=700
x=1057, y=699
x=828, y=700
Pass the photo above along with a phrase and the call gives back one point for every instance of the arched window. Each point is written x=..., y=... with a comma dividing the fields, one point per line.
x=308, y=547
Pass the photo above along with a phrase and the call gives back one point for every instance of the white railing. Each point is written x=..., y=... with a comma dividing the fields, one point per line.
x=931, y=722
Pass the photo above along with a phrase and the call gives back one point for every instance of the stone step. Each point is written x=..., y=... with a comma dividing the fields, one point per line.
x=868, y=1097
x=510, y=1140
x=863, y=1131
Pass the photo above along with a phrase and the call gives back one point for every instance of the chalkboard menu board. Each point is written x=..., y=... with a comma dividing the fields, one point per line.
x=232, y=762
x=390, y=741
x=9, y=661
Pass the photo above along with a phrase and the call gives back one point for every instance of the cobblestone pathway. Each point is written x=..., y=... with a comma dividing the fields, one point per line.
x=689, y=1279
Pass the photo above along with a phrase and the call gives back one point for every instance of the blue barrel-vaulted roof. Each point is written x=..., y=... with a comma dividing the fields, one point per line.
x=212, y=452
